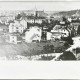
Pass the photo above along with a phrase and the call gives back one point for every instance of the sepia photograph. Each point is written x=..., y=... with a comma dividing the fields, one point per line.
x=40, y=31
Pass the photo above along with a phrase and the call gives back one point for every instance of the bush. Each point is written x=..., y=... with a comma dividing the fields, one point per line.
x=78, y=56
x=66, y=44
x=67, y=55
x=78, y=50
x=68, y=39
x=48, y=48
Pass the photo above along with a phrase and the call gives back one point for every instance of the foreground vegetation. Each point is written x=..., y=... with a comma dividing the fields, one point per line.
x=31, y=49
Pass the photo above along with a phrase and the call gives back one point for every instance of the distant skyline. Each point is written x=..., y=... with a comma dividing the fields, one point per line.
x=46, y=6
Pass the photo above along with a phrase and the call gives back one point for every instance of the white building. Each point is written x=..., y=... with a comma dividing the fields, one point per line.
x=59, y=31
x=33, y=34
x=69, y=19
x=14, y=27
x=49, y=35
x=14, y=38
x=18, y=26
x=35, y=21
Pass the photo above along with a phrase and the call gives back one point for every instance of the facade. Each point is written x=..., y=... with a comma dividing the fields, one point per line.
x=36, y=17
x=18, y=26
x=14, y=27
x=55, y=36
x=34, y=33
x=6, y=19
x=49, y=34
x=14, y=38
x=35, y=21
x=58, y=31
x=75, y=25
x=69, y=19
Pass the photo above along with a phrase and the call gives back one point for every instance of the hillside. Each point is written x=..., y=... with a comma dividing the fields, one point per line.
x=24, y=49
x=22, y=12
x=66, y=13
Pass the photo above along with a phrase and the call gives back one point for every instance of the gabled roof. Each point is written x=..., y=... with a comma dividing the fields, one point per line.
x=59, y=29
x=56, y=27
x=16, y=25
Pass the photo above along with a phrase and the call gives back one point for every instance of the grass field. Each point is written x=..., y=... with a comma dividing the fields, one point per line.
x=25, y=49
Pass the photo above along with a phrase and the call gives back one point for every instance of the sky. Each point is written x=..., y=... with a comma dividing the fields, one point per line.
x=46, y=6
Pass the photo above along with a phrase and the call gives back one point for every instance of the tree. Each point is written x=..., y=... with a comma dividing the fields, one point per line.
x=67, y=55
x=48, y=48
x=64, y=19
x=69, y=40
x=18, y=16
x=78, y=30
x=77, y=50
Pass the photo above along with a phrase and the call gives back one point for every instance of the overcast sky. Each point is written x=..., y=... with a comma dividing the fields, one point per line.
x=46, y=6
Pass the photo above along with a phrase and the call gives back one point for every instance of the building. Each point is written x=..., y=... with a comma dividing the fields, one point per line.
x=75, y=25
x=34, y=33
x=18, y=26
x=14, y=38
x=6, y=19
x=49, y=35
x=36, y=17
x=15, y=27
x=69, y=19
x=32, y=20
x=59, y=31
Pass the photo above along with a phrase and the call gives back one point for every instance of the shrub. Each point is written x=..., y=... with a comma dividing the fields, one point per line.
x=67, y=55
x=48, y=48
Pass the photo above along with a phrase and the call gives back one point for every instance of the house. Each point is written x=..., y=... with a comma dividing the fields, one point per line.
x=36, y=17
x=14, y=38
x=33, y=19
x=55, y=36
x=6, y=19
x=62, y=22
x=18, y=26
x=49, y=34
x=69, y=19
x=35, y=12
x=34, y=33
x=15, y=27
x=59, y=31
x=74, y=27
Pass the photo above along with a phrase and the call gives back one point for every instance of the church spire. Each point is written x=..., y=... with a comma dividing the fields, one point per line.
x=36, y=14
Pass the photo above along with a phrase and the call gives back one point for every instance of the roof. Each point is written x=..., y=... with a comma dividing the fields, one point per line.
x=16, y=35
x=56, y=27
x=16, y=25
